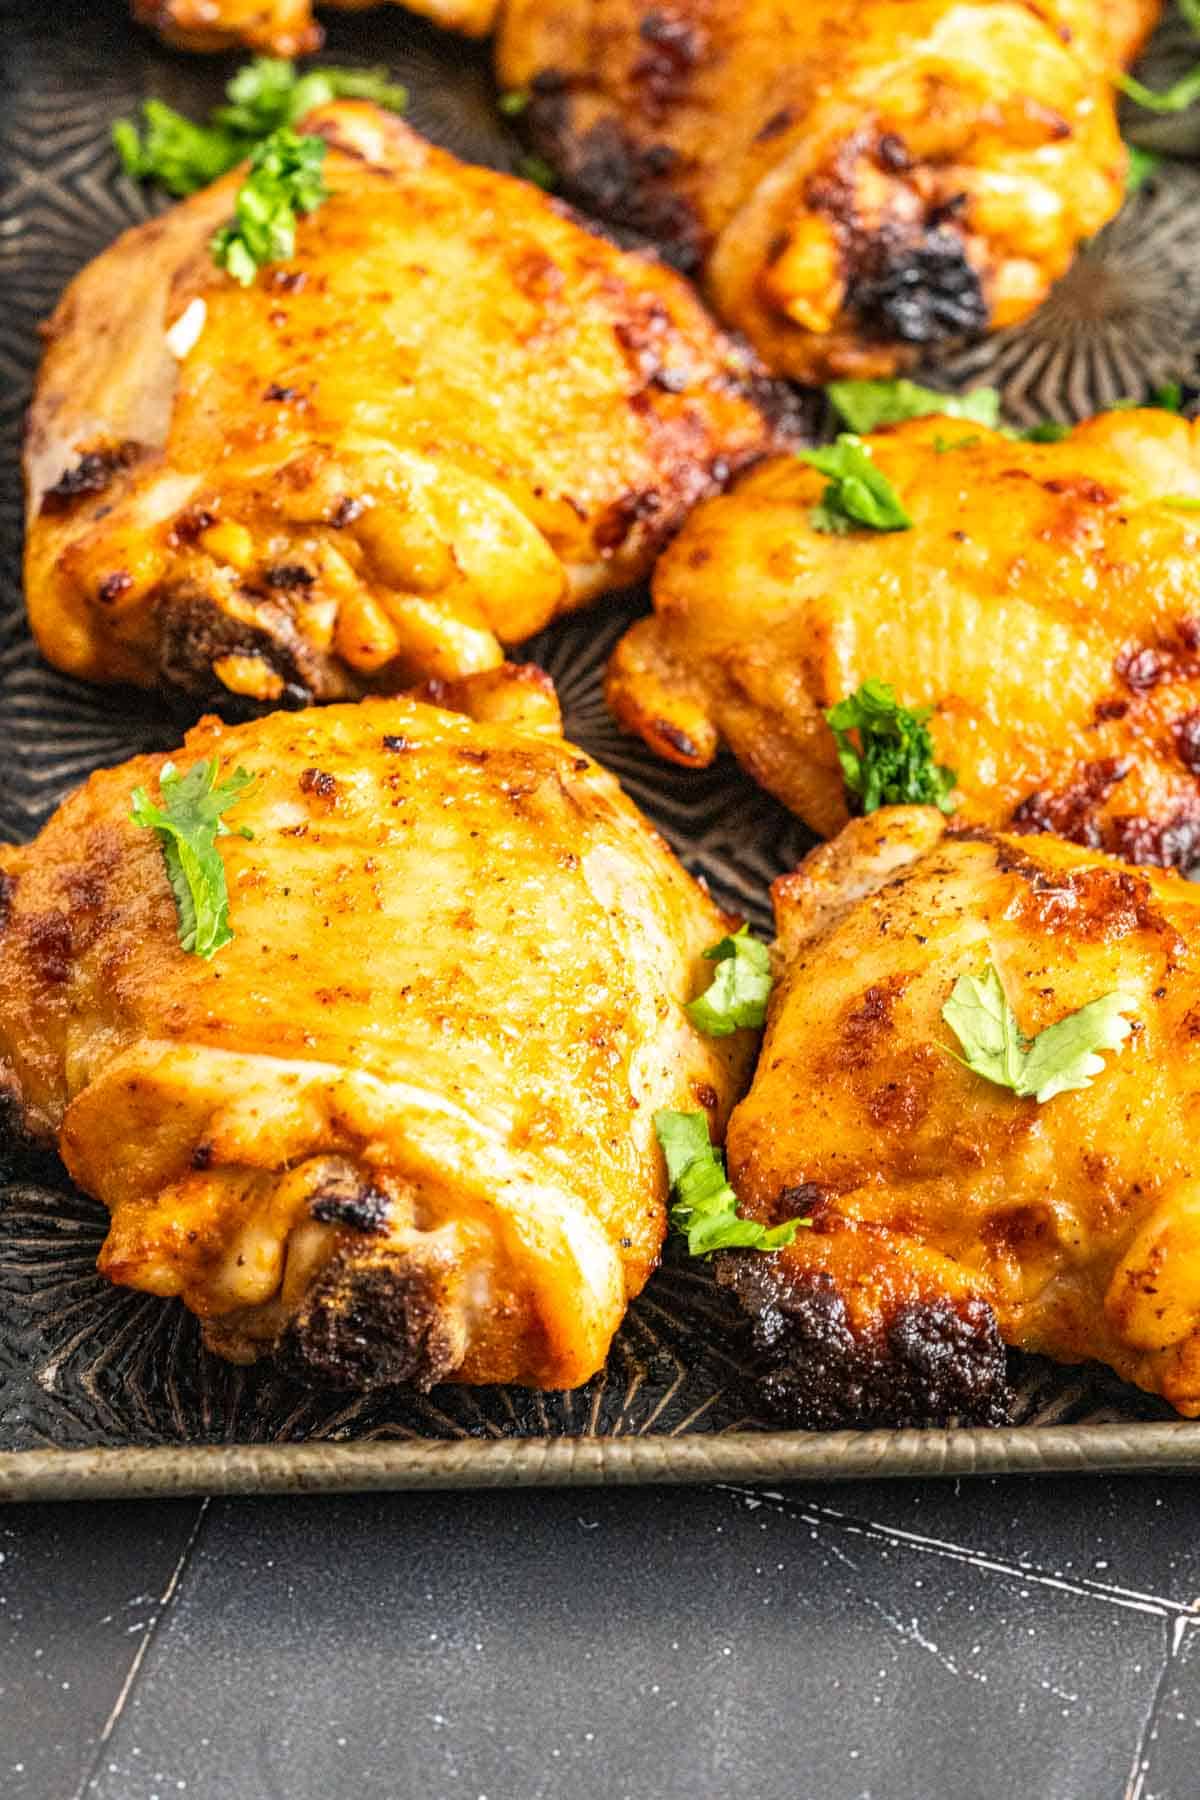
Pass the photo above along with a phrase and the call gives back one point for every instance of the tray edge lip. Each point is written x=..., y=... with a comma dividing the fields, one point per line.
x=178, y=1471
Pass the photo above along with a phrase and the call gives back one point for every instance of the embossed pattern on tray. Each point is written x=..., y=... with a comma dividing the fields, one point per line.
x=84, y=1365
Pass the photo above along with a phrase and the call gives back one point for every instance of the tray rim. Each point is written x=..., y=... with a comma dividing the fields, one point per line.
x=178, y=1471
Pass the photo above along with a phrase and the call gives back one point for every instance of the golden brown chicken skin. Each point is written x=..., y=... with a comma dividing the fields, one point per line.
x=948, y=1216
x=453, y=414
x=856, y=184
x=1045, y=604
x=401, y=1127
x=285, y=27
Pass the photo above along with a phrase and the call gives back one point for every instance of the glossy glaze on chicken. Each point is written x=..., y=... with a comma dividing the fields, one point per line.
x=856, y=185
x=401, y=1127
x=285, y=27
x=1045, y=604
x=452, y=415
x=949, y=1216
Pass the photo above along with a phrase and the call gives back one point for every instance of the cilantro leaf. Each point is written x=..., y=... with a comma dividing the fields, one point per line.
x=892, y=761
x=866, y=405
x=284, y=180
x=736, y=998
x=1143, y=166
x=1175, y=99
x=536, y=169
x=269, y=93
x=263, y=96
x=189, y=823
x=705, y=1206
x=1062, y=1057
x=858, y=492
x=170, y=149
x=1050, y=431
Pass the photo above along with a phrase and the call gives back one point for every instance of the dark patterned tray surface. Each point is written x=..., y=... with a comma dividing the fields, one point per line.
x=84, y=1365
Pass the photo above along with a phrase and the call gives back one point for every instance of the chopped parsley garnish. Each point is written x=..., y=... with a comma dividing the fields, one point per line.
x=1175, y=99
x=1143, y=166
x=1063, y=1057
x=264, y=96
x=188, y=823
x=705, y=1206
x=866, y=405
x=536, y=169
x=943, y=445
x=169, y=149
x=736, y=998
x=514, y=102
x=858, y=493
x=1050, y=431
x=284, y=180
x=890, y=759
x=1181, y=94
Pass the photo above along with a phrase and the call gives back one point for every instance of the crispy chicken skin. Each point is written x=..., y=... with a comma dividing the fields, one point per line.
x=1045, y=603
x=857, y=184
x=454, y=414
x=285, y=27
x=401, y=1127
x=948, y=1214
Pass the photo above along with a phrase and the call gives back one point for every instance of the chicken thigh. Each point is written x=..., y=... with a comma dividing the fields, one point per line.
x=285, y=27
x=451, y=415
x=949, y=1215
x=1045, y=603
x=400, y=1127
x=856, y=184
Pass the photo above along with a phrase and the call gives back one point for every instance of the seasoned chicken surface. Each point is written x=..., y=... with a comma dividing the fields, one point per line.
x=453, y=414
x=285, y=27
x=1045, y=604
x=947, y=1214
x=401, y=1127
x=857, y=184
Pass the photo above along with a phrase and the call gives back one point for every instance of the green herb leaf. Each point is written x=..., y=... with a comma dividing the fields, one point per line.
x=858, y=493
x=270, y=92
x=891, y=763
x=866, y=405
x=1143, y=165
x=536, y=169
x=943, y=445
x=284, y=180
x=1050, y=431
x=264, y=96
x=1176, y=99
x=189, y=823
x=173, y=151
x=736, y=998
x=514, y=102
x=705, y=1206
x=1063, y=1057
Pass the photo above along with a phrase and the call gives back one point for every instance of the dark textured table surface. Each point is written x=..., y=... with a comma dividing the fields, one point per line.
x=902, y=1642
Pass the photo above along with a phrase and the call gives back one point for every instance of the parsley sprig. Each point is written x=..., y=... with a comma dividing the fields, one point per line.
x=890, y=759
x=1064, y=1056
x=265, y=96
x=736, y=998
x=866, y=405
x=188, y=823
x=1182, y=93
x=858, y=493
x=284, y=181
x=705, y=1206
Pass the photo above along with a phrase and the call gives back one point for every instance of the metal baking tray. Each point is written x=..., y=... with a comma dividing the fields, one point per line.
x=108, y=1392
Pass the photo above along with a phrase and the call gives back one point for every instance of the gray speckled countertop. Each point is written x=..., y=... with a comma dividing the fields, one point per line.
x=897, y=1642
